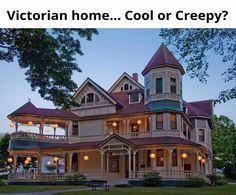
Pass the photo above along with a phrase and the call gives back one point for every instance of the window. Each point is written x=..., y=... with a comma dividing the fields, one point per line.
x=184, y=129
x=134, y=127
x=160, y=158
x=148, y=86
x=130, y=87
x=159, y=85
x=75, y=128
x=172, y=85
x=189, y=135
x=113, y=163
x=148, y=158
x=134, y=98
x=126, y=87
x=83, y=100
x=159, y=121
x=173, y=121
x=97, y=99
x=90, y=97
x=201, y=135
x=121, y=88
x=174, y=158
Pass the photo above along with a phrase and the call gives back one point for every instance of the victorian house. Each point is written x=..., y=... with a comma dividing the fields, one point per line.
x=124, y=132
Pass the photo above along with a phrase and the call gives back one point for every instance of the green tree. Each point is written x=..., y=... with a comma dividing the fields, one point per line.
x=49, y=57
x=193, y=45
x=4, y=144
x=224, y=143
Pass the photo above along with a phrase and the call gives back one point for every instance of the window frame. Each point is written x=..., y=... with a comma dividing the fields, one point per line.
x=173, y=86
x=159, y=90
x=161, y=122
x=134, y=102
x=202, y=136
x=173, y=122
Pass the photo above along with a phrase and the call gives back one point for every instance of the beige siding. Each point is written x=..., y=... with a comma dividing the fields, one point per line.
x=92, y=127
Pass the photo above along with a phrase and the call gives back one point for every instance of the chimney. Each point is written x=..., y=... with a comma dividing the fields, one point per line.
x=135, y=76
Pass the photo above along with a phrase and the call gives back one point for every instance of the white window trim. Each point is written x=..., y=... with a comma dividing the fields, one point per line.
x=139, y=99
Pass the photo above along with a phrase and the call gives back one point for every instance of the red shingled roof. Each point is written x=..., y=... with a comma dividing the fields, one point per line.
x=163, y=58
x=199, y=108
x=31, y=109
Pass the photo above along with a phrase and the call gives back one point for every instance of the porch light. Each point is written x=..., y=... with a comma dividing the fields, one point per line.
x=29, y=159
x=10, y=160
x=184, y=155
x=11, y=125
x=26, y=162
x=30, y=123
x=139, y=122
x=199, y=157
x=49, y=163
x=162, y=159
x=86, y=157
x=203, y=160
x=56, y=159
x=152, y=155
x=111, y=133
x=114, y=124
x=55, y=126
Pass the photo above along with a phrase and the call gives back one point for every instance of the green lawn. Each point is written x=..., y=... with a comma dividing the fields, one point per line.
x=227, y=190
x=36, y=188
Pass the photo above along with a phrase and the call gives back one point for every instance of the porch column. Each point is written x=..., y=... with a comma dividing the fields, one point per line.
x=54, y=131
x=169, y=168
x=16, y=126
x=39, y=158
x=197, y=161
x=102, y=162
x=15, y=163
x=69, y=161
x=78, y=157
x=129, y=163
x=134, y=163
x=107, y=162
x=41, y=127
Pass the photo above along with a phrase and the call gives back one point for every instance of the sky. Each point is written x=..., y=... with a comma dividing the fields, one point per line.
x=106, y=57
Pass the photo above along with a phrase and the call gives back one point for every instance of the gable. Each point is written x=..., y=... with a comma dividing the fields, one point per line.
x=125, y=83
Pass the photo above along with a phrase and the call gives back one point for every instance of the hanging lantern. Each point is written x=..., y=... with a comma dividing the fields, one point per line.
x=86, y=157
x=114, y=124
x=56, y=159
x=152, y=155
x=49, y=163
x=10, y=160
x=139, y=122
x=199, y=157
x=184, y=155
x=203, y=160
x=111, y=133
x=29, y=159
x=162, y=159
x=11, y=125
x=55, y=126
x=30, y=123
x=26, y=162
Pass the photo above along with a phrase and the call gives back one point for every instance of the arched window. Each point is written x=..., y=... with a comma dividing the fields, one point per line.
x=97, y=99
x=83, y=100
x=126, y=87
x=89, y=98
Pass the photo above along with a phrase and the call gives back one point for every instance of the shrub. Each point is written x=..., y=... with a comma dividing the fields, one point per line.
x=152, y=179
x=212, y=179
x=195, y=182
x=221, y=182
x=77, y=177
x=2, y=183
x=123, y=186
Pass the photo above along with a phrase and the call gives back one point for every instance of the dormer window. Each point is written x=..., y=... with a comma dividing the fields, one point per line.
x=90, y=98
x=172, y=85
x=134, y=98
x=126, y=87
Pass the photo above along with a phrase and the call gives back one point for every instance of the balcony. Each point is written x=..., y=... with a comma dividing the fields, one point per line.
x=73, y=139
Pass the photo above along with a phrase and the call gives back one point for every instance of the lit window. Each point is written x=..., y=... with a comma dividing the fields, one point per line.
x=159, y=85
x=90, y=97
x=201, y=135
x=160, y=158
x=174, y=158
x=172, y=85
x=159, y=121
x=173, y=121
x=134, y=98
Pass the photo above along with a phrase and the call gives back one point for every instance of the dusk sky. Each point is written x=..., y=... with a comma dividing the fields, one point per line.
x=106, y=57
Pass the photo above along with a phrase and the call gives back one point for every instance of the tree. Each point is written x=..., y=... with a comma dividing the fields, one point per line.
x=49, y=57
x=224, y=143
x=4, y=144
x=193, y=46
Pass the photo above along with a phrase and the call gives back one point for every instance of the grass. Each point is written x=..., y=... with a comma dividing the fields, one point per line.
x=32, y=188
x=227, y=190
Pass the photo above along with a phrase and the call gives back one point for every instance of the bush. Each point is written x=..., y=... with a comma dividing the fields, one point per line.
x=123, y=186
x=221, y=182
x=195, y=182
x=2, y=183
x=77, y=177
x=212, y=179
x=152, y=179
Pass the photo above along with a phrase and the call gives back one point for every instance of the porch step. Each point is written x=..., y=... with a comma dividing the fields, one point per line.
x=113, y=182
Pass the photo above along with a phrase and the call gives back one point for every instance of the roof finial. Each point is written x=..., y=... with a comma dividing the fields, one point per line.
x=29, y=100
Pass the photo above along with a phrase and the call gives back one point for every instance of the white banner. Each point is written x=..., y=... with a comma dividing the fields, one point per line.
x=117, y=14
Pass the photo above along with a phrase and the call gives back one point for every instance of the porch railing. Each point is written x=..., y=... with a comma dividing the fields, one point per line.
x=71, y=139
x=171, y=174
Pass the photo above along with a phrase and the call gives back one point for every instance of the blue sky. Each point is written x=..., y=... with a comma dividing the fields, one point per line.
x=106, y=57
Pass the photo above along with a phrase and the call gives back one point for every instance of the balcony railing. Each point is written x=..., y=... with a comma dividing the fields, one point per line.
x=162, y=96
x=73, y=139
